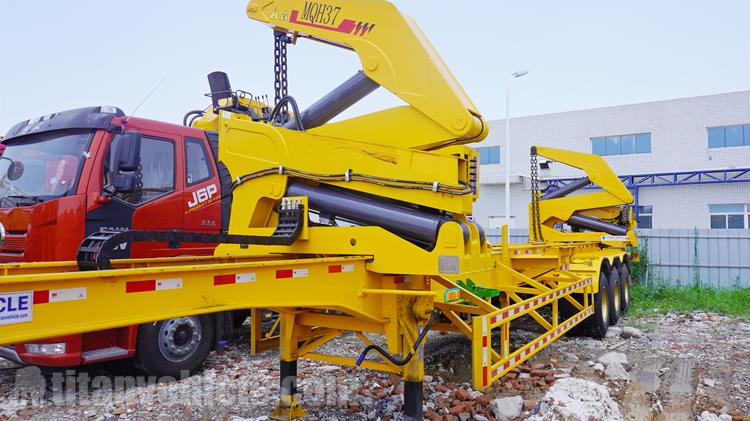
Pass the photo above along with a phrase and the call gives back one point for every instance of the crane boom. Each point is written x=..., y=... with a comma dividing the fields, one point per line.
x=395, y=54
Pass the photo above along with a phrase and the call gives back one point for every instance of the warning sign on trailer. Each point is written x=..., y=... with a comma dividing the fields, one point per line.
x=16, y=307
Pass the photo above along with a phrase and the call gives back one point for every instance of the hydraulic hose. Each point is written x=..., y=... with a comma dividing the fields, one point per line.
x=196, y=113
x=297, y=116
x=394, y=359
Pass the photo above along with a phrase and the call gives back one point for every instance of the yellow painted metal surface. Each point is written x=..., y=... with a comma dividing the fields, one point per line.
x=362, y=279
x=395, y=53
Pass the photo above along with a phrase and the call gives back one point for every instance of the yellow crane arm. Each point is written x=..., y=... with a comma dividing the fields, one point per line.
x=594, y=211
x=394, y=53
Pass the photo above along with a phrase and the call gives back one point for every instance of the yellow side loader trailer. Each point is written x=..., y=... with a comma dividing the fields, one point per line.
x=361, y=225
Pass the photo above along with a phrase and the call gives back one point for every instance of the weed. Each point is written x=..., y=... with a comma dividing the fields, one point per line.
x=662, y=298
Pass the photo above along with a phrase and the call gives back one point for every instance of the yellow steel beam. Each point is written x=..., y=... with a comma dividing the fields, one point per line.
x=326, y=337
x=533, y=313
x=491, y=372
x=124, y=297
x=338, y=321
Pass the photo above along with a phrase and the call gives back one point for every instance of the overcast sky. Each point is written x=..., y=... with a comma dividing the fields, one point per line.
x=581, y=54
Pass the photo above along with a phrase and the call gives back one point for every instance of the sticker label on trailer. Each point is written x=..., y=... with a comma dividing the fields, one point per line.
x=614, y=238
x=16, y=307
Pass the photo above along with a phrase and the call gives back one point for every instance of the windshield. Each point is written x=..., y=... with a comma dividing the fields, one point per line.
x=42, y=167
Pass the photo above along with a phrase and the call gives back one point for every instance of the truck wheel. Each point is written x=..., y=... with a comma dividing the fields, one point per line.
x=625, y=282
x=168, y=347
x=599, y=321
x=615, y=296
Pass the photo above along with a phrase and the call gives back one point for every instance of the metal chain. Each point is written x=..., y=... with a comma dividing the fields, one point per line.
x=280, y=68
x=536, y=223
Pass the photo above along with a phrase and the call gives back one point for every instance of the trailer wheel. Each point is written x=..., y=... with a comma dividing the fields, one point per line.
x=568, y=310
x=615, y=296
x=599, y=321
x=625, y=282
x=169, y=347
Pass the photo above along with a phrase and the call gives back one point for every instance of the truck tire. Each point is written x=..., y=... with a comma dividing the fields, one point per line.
x=171, y=347
x=566, y=311
x=599, y=321
x=615, y=295
x=625, y=282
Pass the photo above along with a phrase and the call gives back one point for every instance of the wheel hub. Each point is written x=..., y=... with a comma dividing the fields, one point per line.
x=179, y=338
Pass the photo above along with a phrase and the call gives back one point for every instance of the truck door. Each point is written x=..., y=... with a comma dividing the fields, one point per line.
x=158, y=201
x=156, y=204
x=202, y=194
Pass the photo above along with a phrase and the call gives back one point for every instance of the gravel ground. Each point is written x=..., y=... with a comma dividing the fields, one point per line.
x=675, y=367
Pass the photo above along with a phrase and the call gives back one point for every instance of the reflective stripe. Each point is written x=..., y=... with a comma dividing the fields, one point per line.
x=292, y=273
x=59, y=295
x=169, y=283
x=153, y=285
x=340, y=268
x=538, y=343
x=232, y=279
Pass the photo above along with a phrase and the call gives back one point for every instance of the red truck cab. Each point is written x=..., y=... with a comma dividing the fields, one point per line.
x=55, y=189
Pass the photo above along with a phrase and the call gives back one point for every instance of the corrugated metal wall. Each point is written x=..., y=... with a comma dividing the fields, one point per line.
x=717, y=258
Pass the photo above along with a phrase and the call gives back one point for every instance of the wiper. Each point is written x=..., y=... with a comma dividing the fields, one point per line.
x=33, y=199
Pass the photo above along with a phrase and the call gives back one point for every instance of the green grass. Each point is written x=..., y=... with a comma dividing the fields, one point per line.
x=661, y=299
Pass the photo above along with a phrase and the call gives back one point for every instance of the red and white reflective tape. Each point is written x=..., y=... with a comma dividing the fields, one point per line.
x=539, y=300
x=485, y=351
x=401, y=279
x=150, y=285
x=59, y=295
x=292, y=273
x=341, y=268
x=235, y=278
x=539, y=343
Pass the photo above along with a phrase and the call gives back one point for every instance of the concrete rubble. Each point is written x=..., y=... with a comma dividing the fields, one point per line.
x=507, y=409
x=577, y=400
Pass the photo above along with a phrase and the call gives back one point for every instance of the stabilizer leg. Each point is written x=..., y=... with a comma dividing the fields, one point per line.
x=288, y=407
x=413, y=397
x=413, y=371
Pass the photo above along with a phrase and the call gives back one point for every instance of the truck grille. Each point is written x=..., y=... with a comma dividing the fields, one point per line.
x=13, y=248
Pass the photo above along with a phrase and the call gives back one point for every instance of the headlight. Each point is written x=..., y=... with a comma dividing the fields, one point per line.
x=46, y=349
x=2, y=234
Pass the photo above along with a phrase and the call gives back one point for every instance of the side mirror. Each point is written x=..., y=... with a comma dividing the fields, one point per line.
x=15, y=170
x=127, y=158
x=128, y=152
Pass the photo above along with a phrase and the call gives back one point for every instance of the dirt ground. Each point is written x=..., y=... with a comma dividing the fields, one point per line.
x=680, y=366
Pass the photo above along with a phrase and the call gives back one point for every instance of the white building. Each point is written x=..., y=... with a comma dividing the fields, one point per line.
x=700, y=146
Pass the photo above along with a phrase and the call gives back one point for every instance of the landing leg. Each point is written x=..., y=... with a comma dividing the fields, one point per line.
x=288, y=407
x=413, y=371
x=413, y=397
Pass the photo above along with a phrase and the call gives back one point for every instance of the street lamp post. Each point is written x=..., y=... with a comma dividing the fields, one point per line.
x=507, y=143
